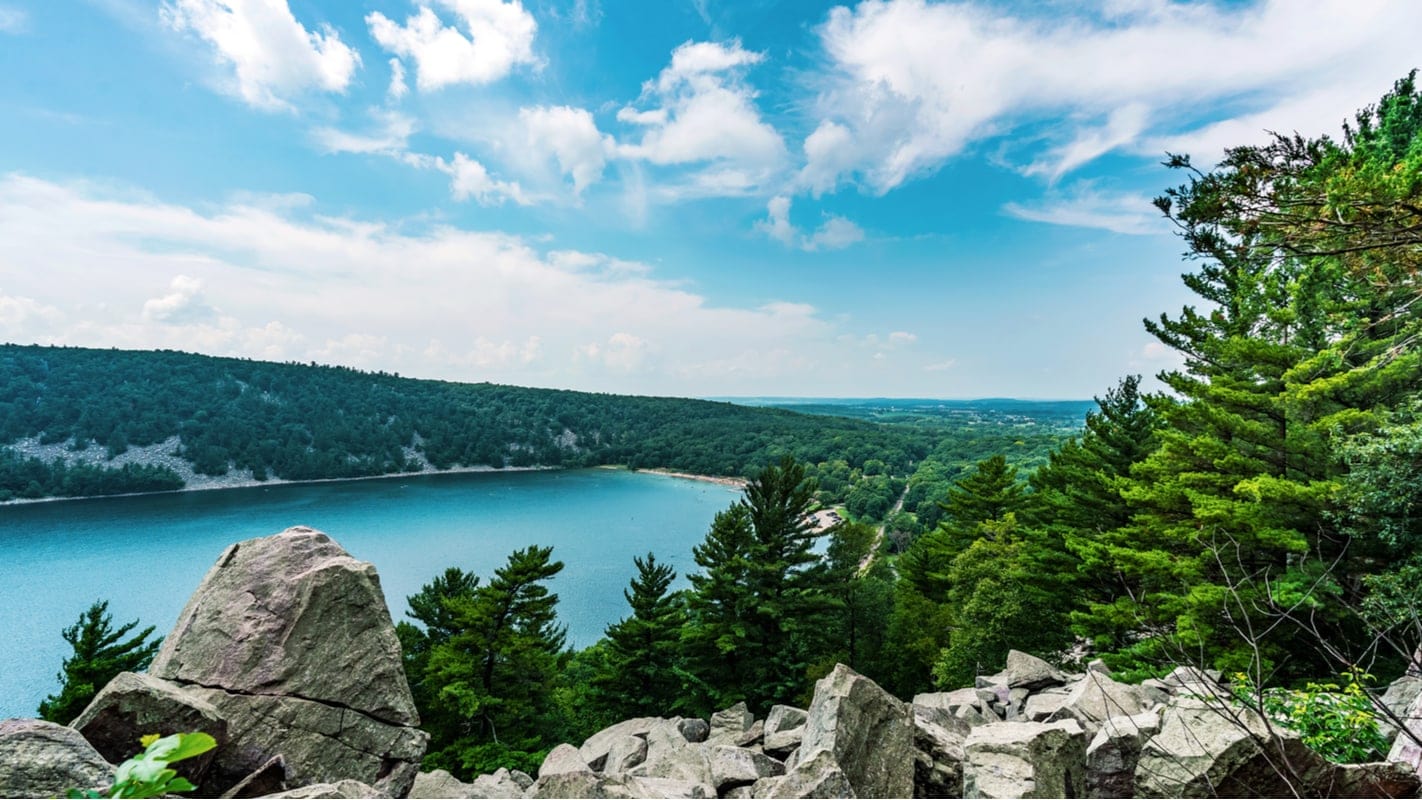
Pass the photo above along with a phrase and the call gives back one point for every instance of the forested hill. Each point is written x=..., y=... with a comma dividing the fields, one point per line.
x=297, y=422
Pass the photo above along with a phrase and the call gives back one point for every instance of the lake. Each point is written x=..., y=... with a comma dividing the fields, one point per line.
x=147, y=554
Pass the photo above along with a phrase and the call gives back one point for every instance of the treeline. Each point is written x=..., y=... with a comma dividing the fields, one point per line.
x=33, y=478
x=1263, y=517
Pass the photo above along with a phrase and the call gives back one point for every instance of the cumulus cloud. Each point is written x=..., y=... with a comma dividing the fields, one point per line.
x=89, y=266
x=274, y=57
x=485, y=42
x=701, y=111
x=911, y=84
x=835, y=233
x=568, y=137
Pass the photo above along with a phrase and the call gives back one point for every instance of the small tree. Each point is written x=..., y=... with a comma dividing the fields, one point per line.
x=639, y=676
x=100, y=653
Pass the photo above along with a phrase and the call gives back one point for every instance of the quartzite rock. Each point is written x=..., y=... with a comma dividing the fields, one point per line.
x=1405, y=748
x=938, y=764
x=1026, y=671
x=1025, y=759
x=735, y=766
x=135, y=704
x=1097, y=698
x=42, y=759
x=730, y=724
x=289, y=638
x=561, y=759
x=867, y=731
x=819, y=775
x=1112, y=756
x=335, y=790
x=625, y=753
x=440, y=785
x=595, y=749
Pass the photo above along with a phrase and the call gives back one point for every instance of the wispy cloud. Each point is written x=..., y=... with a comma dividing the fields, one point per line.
x=1085, y=207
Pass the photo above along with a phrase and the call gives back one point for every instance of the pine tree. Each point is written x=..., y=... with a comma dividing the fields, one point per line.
x=983, y=495
x=638, y=677
x=499, y=666
x=100, y=654
x=430, y=607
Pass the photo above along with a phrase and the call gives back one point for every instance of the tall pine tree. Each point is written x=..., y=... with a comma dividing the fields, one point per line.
x=639, y=677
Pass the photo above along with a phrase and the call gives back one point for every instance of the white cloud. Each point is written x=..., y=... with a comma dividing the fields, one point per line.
x=273, y=56
x=567, y=136
x=1085, y=207
x=13, y=20
x=490, y=38
x=389, y=136
x=912, y=84
x=82, y=265
x=704, y=113
x=941, y=366
x=470, y=179
x=835, y=233
x=182, y=304
x=398, y=88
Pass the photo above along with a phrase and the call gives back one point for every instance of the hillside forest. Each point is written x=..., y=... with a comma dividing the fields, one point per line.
x=1262, y=516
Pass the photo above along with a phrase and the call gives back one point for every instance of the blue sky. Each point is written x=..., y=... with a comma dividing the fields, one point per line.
x=896, y=198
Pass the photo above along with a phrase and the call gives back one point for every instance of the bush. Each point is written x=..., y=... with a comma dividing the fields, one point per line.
x=1336, y=722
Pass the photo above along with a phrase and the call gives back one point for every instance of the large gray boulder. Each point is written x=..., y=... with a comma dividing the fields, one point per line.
x=561, y=759
x=290, y=640
x=1097, y=698
x=737, y=766
x=729, y=725
x=1212, y=748
x=135, y=704
x=1025, y=759
x=440, y=785
x=784, y=728
x=1398, y=699
x=867, y=731
x=334, y=790
x=624, y=754
x=938, y=760
x=595, y=749
x=42, y=759
x=1025, y=671
x=818, y=775
x=671, y=757
x=1112, y=756
x=1405, y=748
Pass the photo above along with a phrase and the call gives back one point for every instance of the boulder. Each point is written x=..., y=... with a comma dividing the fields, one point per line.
x=950, y=701
x=561, y=759
x=289, y=639
x=663, y=787
x=1398, y=699
x=671, y=757
x=42, y=759
x=1406, y=749
x=332, y=791
x=1113, y=753
x=1208, y=748
x=1041, y=706
x=269, y=778
x=1025, y=759
x=440, y=785
x=625, y=753
x=594, y=751
x=730, y=724
x=784, y=728
x=694, y=730
x=135, y=704
x=579, y=785
x=819, y=775
x=1196, y=681
x=1379, y=780
x=1026, y=671
x=938, y=760
x=867, y=731
x=737, y=766
x=1097, y=698
x=503, y=784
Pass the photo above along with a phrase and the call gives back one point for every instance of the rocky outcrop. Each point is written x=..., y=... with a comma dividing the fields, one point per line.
x=1407, y=746
x=289, y=646
x=142, y=703
x=1114, y=752
x=42, y=759
x=1026, y=759
x=868, y=731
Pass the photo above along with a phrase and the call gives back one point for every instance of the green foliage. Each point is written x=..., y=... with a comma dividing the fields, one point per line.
x=861, y=584
x=1336, y=721
x=485, y=672
x=637, y=676
x=100, y=652
x=148, y=774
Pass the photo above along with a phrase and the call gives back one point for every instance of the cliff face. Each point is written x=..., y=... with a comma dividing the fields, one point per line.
x=287, y=656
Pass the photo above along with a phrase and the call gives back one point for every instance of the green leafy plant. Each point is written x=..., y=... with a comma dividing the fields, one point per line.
x=1337, y=722
x=148, y=774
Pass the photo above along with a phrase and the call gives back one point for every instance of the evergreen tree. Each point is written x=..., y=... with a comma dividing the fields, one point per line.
x=860, y=582
x=498, y=668
x=100, y=654
x=983, y=495
x=430, y=607
x=717, y=639
x=638, y=676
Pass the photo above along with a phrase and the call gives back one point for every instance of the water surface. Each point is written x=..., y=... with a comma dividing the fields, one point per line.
x=146, y=554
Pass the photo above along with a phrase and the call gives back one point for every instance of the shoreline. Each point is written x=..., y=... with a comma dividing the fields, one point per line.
x=223, y=482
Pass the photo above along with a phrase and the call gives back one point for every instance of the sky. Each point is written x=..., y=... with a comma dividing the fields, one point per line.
x=680, y=197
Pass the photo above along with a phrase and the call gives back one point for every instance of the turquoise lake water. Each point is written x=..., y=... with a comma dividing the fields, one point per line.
x=146, y=554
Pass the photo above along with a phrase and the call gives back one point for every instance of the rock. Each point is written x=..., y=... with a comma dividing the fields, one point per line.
x=819, y=775
x=736, y=766
x=1155, y=692
x=625, y=753
x=269, y=778
x=1025, y=759
x=739, y=792
x=1398, y=699
x=561, y=759
x=751, y=737
x=694, y=730
x=292, y=615
x=949, y=701
x=662, y=787
x=1405, y=748
x=439, y=784
x=42, y=759
x=730, y=724
x=1041, y=706
x=938, y=763
x=134, y=705
x=579, y=785
x=784, y=728
x=868, y=732
x=290, y=640
x=1380, y=780
x=671, y=757
x=594, y=751
x=1098, y=698
x=1026, y=671
x=1209, y=748
x=1113, y=753
x=1097, y=665
x=1193, y=680
x=503, y=784
x=337, y=789
x=972, y=717
x=320, y=743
